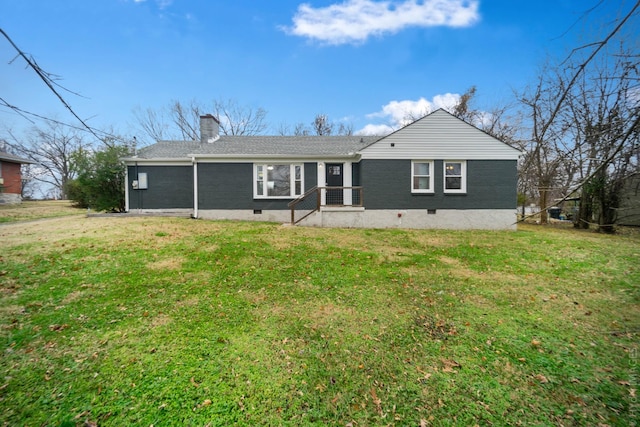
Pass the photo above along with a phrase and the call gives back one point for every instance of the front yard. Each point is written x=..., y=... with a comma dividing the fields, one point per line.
x=166, y=321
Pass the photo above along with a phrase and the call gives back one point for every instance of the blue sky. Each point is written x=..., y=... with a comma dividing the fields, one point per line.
x=365, y=62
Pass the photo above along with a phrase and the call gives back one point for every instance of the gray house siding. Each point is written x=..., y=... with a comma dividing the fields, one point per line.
x=355, y=174
x=310, y=175
x=169, y=187
x=230, y=186
x=491, y=184
x=225, y=186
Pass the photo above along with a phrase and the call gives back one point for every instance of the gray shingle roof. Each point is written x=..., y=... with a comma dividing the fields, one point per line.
x=13, y=158
x=259, y=146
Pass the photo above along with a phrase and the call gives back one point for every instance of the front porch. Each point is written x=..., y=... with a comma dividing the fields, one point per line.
x=326, y=199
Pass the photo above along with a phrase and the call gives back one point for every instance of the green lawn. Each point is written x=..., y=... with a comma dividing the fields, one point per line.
x=165, y=321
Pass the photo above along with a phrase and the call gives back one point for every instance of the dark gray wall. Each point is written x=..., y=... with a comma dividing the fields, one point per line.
x=230, y=186
x=491, y=184
x=310, y=175
x=170, y=187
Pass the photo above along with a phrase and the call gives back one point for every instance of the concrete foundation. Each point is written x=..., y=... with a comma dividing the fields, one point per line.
x=357, y=217
x=10, y=199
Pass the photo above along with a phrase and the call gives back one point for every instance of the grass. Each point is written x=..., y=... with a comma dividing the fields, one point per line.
x=33, y=210
x=165, y=321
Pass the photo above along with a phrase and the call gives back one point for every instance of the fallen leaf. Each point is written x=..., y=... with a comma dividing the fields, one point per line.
x=194, y=383
x=376, y=400
x=541, y=378
x=81, y=414
x=449, y=365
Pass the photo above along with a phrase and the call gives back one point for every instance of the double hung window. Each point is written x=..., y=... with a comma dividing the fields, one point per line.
x=422, y=176
x=455, y=176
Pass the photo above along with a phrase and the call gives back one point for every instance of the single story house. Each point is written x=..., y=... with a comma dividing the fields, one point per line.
x=11, y=177
x=438, y=172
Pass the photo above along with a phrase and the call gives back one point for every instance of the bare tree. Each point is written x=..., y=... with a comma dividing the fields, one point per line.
x=152, y=123
x=543, y=157
x=321, y=125
x=301, y=129
x=602, y=107
x=51, y=147
x=463, y=110
x=181, y=120
x=553, y=144
x=237, y=119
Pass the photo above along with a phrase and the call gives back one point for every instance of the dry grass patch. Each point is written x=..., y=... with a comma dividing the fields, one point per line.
x=33, y=210
x=459, y=269
x=174, y=263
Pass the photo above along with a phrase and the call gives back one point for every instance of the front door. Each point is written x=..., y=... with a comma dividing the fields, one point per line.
x=335, y=179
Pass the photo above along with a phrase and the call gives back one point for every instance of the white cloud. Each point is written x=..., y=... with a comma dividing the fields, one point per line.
x=400, y=113
x=162, y=4
x=375, y=130
x=354, y=21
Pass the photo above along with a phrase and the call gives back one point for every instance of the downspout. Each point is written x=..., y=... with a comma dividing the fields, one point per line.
x=139, y=193
x=126, y=188
x=195, y=187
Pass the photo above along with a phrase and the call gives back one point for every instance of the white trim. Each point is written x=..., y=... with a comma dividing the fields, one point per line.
x=126, y=188
x=195, y=188
x=322, y=181
x=463, y=177
x=431, y=189
x=292, y=180
x=347, y=181
x=159, y=162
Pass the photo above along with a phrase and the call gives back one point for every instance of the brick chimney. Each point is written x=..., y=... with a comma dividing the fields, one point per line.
x=209, y=128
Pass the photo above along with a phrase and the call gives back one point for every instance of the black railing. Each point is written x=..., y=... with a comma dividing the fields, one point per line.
x=312, y=200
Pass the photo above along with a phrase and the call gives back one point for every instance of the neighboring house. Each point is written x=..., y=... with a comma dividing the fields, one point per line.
x=629, y=211
x=11, y=177
x=438, y=172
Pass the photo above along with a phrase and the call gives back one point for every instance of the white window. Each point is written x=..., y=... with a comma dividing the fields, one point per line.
x=455, y=176
x=278, y=180
x=422, y=176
